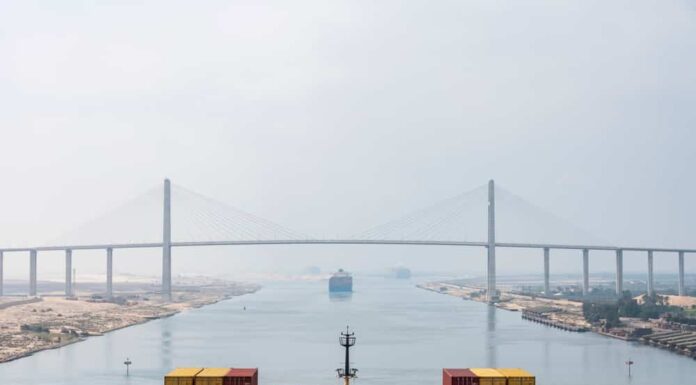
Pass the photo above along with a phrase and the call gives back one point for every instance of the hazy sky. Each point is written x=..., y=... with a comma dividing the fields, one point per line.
x=332, y=117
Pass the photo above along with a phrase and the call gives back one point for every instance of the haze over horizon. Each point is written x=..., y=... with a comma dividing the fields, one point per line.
x=331, y=118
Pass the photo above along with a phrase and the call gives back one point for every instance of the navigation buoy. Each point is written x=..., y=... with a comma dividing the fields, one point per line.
x=629, y=363
x=128, y=363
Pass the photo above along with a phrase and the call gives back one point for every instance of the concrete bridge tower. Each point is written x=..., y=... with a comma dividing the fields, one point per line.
x=492, y=295
x=167, y=243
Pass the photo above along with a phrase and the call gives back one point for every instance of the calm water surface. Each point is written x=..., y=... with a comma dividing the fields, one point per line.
x=405, y=336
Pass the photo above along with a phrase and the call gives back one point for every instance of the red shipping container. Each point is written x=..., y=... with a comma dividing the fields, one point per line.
x=459, y=377
x=242, y=377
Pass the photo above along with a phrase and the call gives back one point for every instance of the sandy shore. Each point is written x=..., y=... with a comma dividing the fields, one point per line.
x=566, y=312
x=29, y=326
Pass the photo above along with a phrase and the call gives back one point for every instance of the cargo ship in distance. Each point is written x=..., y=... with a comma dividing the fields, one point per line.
x=401, y=272
x=341, y=282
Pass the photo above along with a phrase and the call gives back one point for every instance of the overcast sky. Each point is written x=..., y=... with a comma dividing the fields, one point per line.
x=332, y=117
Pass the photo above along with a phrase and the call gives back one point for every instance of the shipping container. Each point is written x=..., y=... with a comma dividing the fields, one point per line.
x=238, y=376
x=181, y=376
x=459, y=377
x=516, y=376
x=212, y=376
x=488, y=376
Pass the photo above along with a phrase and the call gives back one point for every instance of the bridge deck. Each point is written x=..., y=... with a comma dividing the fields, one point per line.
x=341, y=242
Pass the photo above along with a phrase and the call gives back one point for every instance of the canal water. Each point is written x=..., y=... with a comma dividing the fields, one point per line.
x=404, y=335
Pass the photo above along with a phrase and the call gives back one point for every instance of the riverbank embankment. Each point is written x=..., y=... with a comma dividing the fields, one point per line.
x=31, y=325
x=560, y=313
x=568, y=315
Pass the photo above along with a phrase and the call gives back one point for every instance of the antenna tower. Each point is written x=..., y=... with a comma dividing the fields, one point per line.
x=347, y=340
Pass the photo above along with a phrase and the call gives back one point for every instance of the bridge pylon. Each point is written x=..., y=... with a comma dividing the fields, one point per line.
x=167, y=242
x=491, y=292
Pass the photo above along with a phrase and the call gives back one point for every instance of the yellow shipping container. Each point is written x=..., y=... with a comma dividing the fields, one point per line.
x=211, y=376
x=516, y=376
x=181, y=376
x=488, y=376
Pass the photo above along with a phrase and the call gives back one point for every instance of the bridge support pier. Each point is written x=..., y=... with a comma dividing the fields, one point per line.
x=619, y=272
x=682, y=291
x=491, y=292
x=2, y=281
x=585, y=272
x=651, y=279
x=547, y=271
x=109, y=273
x=167, y=243
x=68, y=273
x=32, y=273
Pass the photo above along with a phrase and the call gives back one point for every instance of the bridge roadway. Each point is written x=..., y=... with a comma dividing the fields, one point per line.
x=546, y=247
x=490, y=245
x=347, y=242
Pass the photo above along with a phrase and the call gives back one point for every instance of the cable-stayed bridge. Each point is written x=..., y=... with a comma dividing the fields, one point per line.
x=487, y=217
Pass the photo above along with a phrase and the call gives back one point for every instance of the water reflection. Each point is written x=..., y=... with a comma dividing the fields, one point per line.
x=491, y=348
x=585, y=357
x=166, y=344
x=340, y=296
x=108, y=349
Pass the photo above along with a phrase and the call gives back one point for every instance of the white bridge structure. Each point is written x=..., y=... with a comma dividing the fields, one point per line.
x=434, y=226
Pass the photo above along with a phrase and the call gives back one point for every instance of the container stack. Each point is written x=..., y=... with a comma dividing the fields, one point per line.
x=487, y=376
x=212, y=376
x=516, y=376
x=243, y=377
x=181, y=376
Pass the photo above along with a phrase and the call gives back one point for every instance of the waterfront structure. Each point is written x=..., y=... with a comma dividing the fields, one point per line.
x=680, y=341
x=166, y=245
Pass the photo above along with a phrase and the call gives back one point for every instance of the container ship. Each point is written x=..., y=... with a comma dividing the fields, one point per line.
x=232, y=376
x=235, y=376
x=341, y=282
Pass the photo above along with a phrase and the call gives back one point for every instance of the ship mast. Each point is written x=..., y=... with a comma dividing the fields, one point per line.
x=347, y=340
